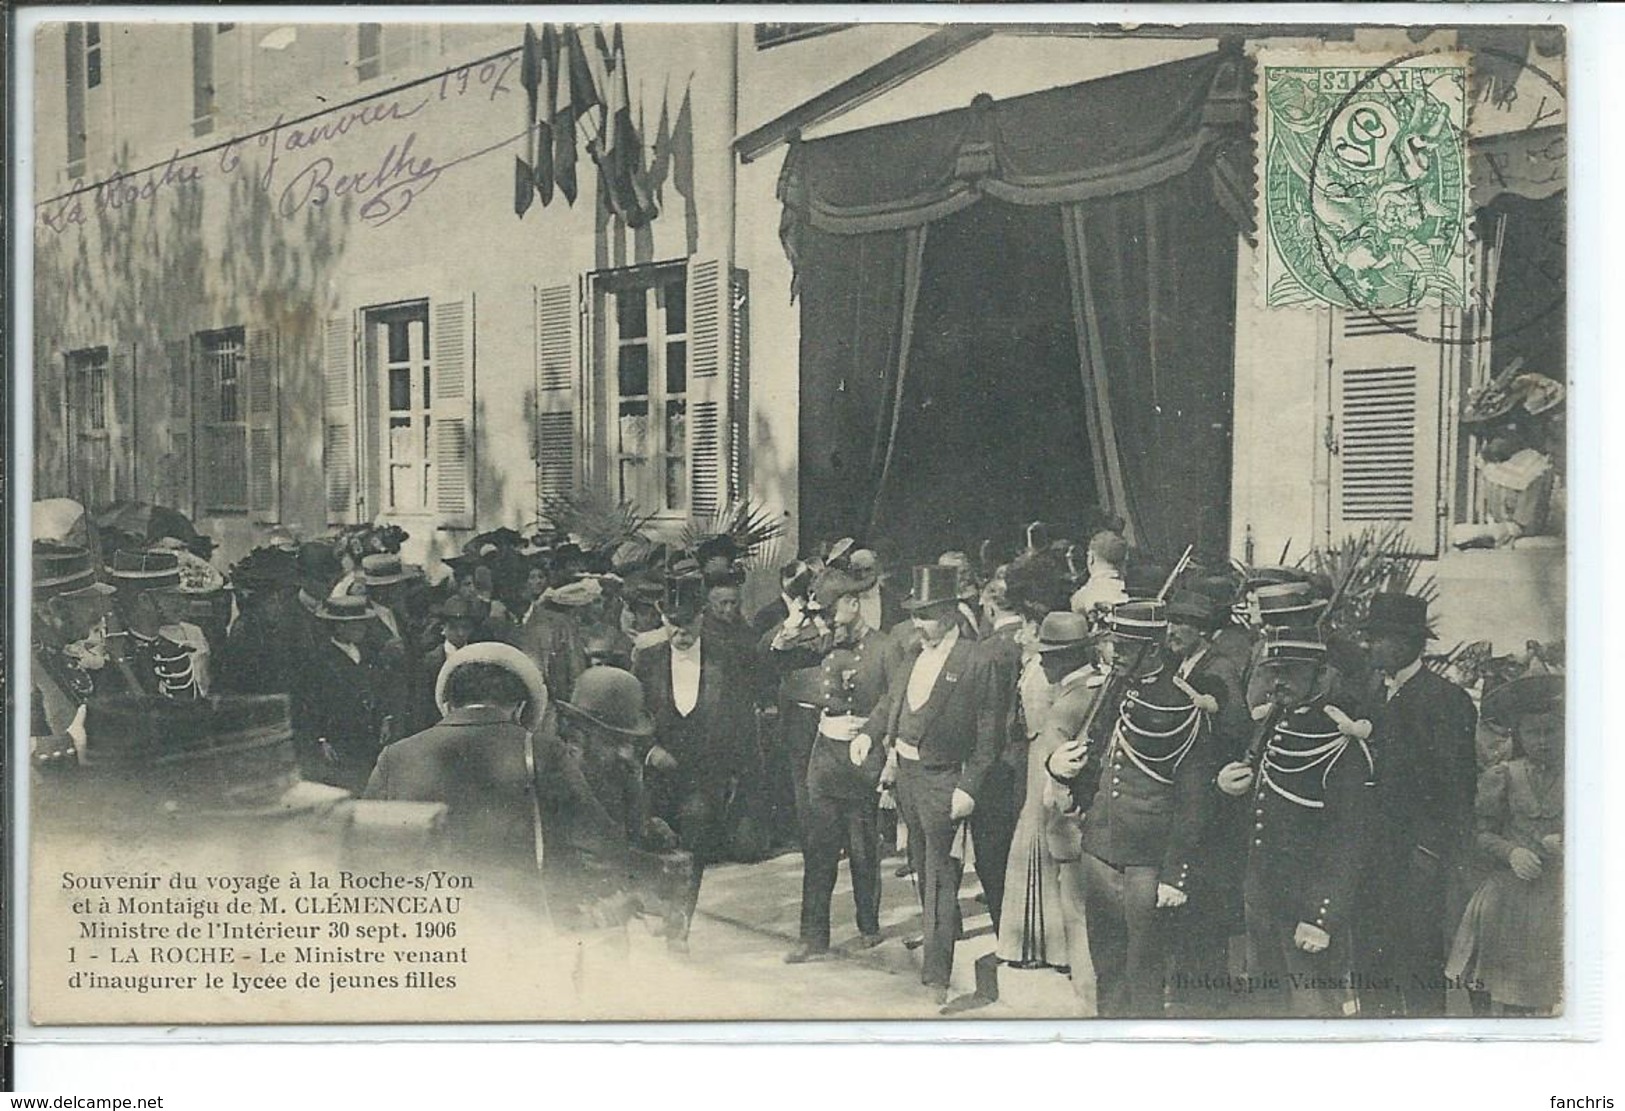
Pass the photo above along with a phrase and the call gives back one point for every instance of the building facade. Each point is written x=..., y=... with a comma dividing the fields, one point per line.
x=281, y=280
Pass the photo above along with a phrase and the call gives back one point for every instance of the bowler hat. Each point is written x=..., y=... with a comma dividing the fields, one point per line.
x=1523, y=697
x=935, y=584
x=1063, y=630
x=612, y=699
x=1396, y=613
x=1188, y=607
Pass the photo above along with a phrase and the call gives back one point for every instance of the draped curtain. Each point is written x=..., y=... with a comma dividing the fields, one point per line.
x=1152, y=172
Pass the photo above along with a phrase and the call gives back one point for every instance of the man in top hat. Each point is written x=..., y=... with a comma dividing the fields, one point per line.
x=1310, y=779
x=1427, y=770
x=940, y=722
x=490, y=755
x=338, y=715
x=702, y=713
x=1146, y=798
x=843, y=803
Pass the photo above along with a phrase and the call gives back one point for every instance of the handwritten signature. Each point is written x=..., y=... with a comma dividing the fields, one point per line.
x=390, y=187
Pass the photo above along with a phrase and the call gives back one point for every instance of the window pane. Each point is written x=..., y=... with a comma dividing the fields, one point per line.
x=632, y=472
x=676, y=298
x=93, y=34
x=399, y=343
x=632, y=313
x=634, y=428
x=93, y=68
x=676, y=483
x=401, y=440
x=677, y=366
x=426, y=397
x=368, y=38
x=400, y=388
x=633, y=371
x=676, y=426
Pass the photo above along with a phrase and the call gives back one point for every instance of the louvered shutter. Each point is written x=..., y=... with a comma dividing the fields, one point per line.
x=1386, y=408
x=710, y=363
x=739, y=387
x=451, y=364
x=178, y=355
x=339, y=421
x=123, y=427
x=264, y=426
x=557, y=370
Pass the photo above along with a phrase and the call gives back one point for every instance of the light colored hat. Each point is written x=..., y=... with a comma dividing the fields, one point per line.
x=583, y=592
x=504, y=656
x=347, y=602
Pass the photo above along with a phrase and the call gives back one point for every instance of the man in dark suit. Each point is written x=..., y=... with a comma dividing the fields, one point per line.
x=792, y=642
x=338, y=711
x=475, y=761
x=1426, y=776
x=993, y=823
x=458, y=621
x=1147, y=800
x=941, y=723
x=701, y=704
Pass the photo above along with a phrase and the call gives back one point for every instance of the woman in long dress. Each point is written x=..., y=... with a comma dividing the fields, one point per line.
x=1509, y=948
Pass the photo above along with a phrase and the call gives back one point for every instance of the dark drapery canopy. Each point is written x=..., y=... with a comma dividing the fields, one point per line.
x=1148, y=176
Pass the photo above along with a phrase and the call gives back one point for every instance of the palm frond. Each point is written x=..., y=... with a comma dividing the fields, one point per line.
x=749, y=527
x=1379, y=559
x=595, y=519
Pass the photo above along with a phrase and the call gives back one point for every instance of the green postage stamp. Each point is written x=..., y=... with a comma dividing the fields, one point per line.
x=1363, y=191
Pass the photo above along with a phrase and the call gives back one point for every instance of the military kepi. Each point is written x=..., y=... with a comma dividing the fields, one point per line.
x=1139, y=620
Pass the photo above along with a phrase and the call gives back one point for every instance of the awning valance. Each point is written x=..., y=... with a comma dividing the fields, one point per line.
x=1093, y=140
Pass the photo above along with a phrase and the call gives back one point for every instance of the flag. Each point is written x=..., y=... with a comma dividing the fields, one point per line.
x=524, y=186
x=548, y=95
x=619, y=151
x=524, y=182
x=577, y=95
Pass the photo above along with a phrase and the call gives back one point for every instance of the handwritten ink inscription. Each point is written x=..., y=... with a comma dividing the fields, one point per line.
x=304, y=166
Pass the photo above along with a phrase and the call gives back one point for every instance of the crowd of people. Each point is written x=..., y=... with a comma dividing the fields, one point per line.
x=1181, y=787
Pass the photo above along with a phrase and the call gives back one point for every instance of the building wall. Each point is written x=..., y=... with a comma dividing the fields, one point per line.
x=245, y=239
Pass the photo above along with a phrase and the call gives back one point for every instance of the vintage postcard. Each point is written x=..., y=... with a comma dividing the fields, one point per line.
x=796, y=521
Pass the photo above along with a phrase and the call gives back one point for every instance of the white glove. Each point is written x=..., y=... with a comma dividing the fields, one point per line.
x=1235, y=779
x=1170, y=896
x=1311, y=939
x=858, y=750
x=1347, y=725
x=960, y=806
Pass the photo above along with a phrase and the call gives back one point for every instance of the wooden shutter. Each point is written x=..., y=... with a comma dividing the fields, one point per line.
x=178, y=355
x=1386, y=416
x=123, y=423
x=264, y=425
x=739, y=387
x=557, y=370
x=339, y=421
x=710, y=363
x=451, y=363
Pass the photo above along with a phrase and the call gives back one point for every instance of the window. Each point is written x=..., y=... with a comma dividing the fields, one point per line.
x=93, y=55
x=202, y=79
x=369, y=54
x=74, y=62
x=398, y=344
x=647, y=379
x=222, y=28
x=89, y=427
x=222, y=421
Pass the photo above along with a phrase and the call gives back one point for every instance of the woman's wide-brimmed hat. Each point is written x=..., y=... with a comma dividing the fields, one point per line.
x=1523, y=697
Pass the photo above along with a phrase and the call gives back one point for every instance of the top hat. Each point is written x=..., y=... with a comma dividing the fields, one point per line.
x=1523, y=697
x=1286, y=645
x=1188, y=607
x=612, y=699
x=1139, y=619
x=501, y=655
x=347, y=602
x=935, y=584
x=145, y=570
x=385, y=568
x=685, y=598
x=1062, y=630
x=968, y=590
x=1396, y=613
x=1287, y=603
x=61, y=565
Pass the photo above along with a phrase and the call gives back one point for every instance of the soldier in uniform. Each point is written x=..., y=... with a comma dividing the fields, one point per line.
x=1147, y=802
x=1311, y=782
x=843, y=801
